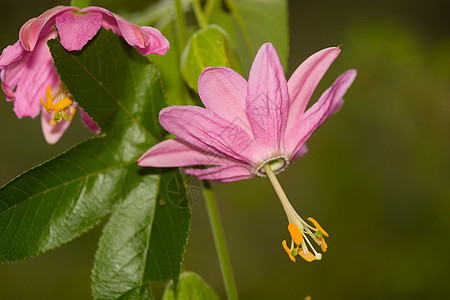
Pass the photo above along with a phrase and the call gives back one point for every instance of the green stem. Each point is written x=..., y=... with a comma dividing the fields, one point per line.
x=181, y=24
x=201, y=19
x=80, y=3
x=219, y=239
x=240, y=21
x=210, y=4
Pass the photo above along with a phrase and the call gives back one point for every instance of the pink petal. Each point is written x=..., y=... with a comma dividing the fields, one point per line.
x=207, y=131
x=330, y=100
x=32, y=30
x=305, y=79
x=52, y=133
x=176, y=153
x=26, y=80
x=146, y=39
x=267, y=101
x=88, y=122
x=75, y=29
x=12, y=54
x=157, y=42
x=226, y=173
x=223, y=91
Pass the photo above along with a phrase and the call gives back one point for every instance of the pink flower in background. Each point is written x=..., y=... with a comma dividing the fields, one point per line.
x=253, y=128
x=27, y=69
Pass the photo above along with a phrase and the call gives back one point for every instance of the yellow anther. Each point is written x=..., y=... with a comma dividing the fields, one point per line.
x=72, y=113
x=295, y=232
x=44, y=105
x=323, y=245
x=316, y=224
x=288, y=251
x=309, y=257
x=48, y=98
x=64, y=103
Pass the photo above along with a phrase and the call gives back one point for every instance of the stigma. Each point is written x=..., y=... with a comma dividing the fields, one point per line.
x=59, y=104
x=300, y=231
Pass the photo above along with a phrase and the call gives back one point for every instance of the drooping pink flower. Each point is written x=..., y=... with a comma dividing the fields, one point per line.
x=253, y=128
x=27, y=68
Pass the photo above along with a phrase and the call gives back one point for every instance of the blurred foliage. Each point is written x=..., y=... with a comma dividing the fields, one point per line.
x=376, y=175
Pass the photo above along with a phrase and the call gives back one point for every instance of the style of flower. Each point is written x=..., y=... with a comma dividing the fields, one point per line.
x=28, y=73
x=253, y=128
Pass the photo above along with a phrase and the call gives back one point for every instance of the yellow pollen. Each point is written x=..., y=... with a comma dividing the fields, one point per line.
x=62, y=104
x=72, y=113
x=48, y=98
x=60, y=109
x=316, y=224
x=308, y=257
x=288, y=251
x=323, y=245
x=295, y=233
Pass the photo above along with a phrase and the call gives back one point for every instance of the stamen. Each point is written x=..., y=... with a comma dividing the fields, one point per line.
x=61, y=108
x=323, y=245
x=318, y=226
x=60, y=105
x=288, y=251
x=295, y=233
x=72, y=113
x=308, y=257
x=48, y=98
x=298, y=228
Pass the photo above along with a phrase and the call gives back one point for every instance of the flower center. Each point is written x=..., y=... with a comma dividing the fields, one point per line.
x=277, y=164
x=60, y=105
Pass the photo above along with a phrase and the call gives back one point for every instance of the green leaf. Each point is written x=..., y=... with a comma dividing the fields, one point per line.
x=207, y=47
x=191, y=286
x=119, y=265
x=57, y=201
x=170, y=230
x=252, y=23
x=144, y=239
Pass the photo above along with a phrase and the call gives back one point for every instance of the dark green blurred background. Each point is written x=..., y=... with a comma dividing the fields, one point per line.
x=377, y=176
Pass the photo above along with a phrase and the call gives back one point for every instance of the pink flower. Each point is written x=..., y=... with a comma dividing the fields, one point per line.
x=253, y=128
x=27, y=68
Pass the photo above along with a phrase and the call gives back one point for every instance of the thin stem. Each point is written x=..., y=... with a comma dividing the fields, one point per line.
x=201, y=19
x=209, y=7
x=181, y=24
x=240, y=21
x=80, y=3
x=287, y=206
x=219, y=239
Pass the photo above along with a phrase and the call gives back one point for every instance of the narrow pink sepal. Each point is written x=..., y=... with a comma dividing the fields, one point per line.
x=305, y=79
x=227, y=173
x=327, y=104
x=75, y=29
x=146, y=39
x=224, y=91
x=88, y=122
x=32, y=29
x=176, y=153
x=207, y=131
x=267, y=101
x=12, y=54
x=52, y=133
x=302, y=151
